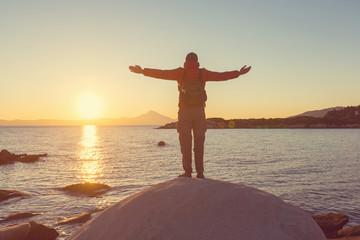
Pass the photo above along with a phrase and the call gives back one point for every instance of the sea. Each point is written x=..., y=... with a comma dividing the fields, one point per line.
x=314, y=169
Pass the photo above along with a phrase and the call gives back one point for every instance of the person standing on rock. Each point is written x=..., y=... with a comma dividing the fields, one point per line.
x=192, y=97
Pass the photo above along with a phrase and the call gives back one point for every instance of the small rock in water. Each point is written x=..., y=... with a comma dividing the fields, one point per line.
x=7, y=194
x=19, y=215
x=330, y=222
x=19, y=231
x=161, y=143
x=28, y=231
x=41, y=232
x=7, y=157
x=82, y=218
x=88, y=189
x=349, y=232
x=30, y=158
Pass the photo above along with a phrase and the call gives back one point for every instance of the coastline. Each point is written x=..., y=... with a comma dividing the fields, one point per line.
x=274, y=123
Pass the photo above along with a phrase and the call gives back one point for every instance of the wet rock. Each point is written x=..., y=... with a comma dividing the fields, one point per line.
x=161, y=143
x=15, y=232
x=7, y=157
x=19, y=215
x=346, y=238
x=28, y=231
x=349, y=232
x=88, y=189
x=7, y=194
x=82, y=218
x=331, y=222
x=98, y=209
x=41, y=232
x=30, y=158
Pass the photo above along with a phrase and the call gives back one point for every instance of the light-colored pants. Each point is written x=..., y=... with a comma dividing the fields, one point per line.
x=192, y=119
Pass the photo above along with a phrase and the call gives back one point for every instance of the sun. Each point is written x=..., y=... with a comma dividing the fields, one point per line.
x=89, y=106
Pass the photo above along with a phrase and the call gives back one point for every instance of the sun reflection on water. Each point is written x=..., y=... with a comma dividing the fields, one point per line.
x=90, y=155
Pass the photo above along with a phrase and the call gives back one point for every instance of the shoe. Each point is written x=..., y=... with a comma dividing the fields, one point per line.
x=200, y=175
x=185, y=175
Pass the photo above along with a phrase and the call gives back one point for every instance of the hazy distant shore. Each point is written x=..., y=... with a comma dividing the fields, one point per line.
x=150, y=118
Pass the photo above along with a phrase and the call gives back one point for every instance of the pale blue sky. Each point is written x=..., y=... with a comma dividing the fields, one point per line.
x=304, y=54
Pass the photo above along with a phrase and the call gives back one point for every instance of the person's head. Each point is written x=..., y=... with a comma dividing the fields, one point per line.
x=191, y=57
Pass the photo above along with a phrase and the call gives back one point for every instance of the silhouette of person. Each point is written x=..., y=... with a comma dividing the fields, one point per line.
x=192, y=97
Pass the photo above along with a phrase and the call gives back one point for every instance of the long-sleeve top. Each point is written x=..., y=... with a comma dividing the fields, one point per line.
x=192, y=73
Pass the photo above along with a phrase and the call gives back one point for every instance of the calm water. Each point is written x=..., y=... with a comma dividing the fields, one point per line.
x=316, y=169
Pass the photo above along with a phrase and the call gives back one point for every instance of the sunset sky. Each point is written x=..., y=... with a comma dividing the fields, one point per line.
x=69, y=59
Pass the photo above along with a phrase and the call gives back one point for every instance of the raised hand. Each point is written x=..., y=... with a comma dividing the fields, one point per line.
x=244, y=70
x=136, y=69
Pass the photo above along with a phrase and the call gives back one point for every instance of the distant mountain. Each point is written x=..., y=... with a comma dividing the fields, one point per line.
x=317, y=113
x=149, y=118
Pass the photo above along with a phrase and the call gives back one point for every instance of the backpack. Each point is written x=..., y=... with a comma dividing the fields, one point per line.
x=192, y=93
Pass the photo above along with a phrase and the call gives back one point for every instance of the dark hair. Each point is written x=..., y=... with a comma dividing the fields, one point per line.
x=191, y=57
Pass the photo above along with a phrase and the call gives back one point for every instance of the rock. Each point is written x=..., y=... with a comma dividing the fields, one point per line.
x=41, y=232
x=15, y=232
x=7, y=158
x=30, y=158
x=82, y=218
x=202, y=209
x=98, y=209
x=331, y=222
x=19, y=215
x=7, y=194
x=88, y=189
x=349, y=232
x=28, y=231
x=346, y=238
x=161, y=143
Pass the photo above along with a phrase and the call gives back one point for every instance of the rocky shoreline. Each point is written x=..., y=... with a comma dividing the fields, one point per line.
x=332, y=224
x=33, y=230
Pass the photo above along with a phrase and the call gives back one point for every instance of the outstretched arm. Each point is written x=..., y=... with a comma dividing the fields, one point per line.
x=136, y=69
x=173, y=74
x=244, y=70
x=223, y=76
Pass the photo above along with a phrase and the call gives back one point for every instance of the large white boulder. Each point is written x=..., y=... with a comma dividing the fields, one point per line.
x=201, y=209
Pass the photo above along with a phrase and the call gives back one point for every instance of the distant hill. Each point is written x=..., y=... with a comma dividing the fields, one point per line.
x=149, y=118
x=318, y=113
x=348, y=117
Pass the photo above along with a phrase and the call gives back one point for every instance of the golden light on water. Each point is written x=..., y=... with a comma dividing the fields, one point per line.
x=90, y=155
